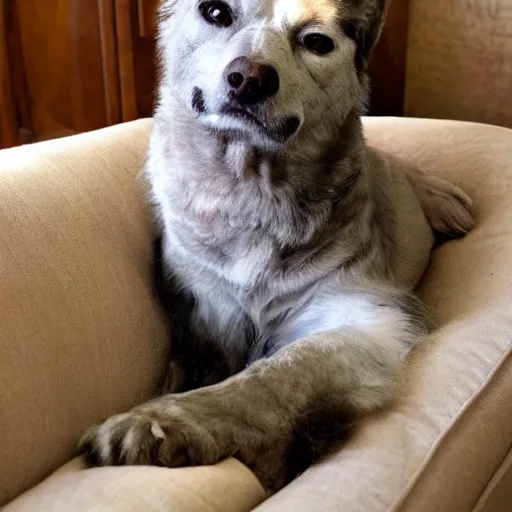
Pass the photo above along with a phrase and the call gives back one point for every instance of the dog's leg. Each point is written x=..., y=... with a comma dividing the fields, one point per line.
x=197, y=358
x=307, y=389
x=447, y=207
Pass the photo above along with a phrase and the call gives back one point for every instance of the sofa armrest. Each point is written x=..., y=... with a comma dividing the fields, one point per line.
x=81, y=336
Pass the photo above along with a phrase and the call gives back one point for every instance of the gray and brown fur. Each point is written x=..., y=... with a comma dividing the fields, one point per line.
x=288, y=248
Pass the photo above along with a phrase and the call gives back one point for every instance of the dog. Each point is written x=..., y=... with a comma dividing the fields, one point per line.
x=289, y=248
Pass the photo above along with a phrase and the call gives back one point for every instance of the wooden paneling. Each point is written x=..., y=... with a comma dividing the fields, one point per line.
x=387, y=68
x=146, y=10
x=136, y=48
x=106, y=10
x=460, y=60
x=8, y=118
x=125, y=45
x=88, y=91
x=20, y=97
x=67, y=65
x=145, y=75
x=145, y=62
x=46, y=64
x=77, y=65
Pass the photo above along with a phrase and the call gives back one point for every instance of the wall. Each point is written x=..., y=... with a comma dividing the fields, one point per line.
x=459, y=60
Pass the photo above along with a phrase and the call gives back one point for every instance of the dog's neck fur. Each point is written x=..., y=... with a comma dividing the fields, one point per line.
x=314, y=163
x=324, y=175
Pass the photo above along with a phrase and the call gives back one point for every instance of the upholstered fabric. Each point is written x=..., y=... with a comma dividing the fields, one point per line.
x=80, y=335
x=229, y=486
x=82, y=338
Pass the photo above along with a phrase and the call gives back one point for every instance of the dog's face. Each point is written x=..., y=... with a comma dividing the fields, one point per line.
x=266, y=71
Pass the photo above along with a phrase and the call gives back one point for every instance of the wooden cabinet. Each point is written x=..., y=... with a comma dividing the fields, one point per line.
x=8, y=123
x=388, y=64
x=135, y=29
x=68, y=66
x=61, y=62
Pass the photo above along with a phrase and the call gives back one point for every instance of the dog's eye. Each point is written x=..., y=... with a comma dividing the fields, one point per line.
x=216, y=13
x=319, y=44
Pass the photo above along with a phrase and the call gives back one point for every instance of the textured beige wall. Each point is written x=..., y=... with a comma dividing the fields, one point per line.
x=459, y=62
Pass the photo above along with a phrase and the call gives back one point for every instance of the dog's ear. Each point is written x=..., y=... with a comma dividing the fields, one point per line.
x=362, y=21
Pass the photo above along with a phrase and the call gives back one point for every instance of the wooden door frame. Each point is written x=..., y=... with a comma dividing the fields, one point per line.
x=91, y=37
x=107, y=22
x=8, y=115
x=125, y=11
x=388, y=65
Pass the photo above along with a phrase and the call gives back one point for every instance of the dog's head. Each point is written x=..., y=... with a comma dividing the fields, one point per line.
x=266, y=70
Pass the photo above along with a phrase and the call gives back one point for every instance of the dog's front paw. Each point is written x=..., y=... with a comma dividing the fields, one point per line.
x=150, y=436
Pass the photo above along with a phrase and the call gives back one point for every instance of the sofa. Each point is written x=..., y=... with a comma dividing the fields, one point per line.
x=82, y=337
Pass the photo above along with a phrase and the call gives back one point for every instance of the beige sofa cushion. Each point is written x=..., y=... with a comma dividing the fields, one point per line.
x=229, y=486
x=443, y=448
x=440, y=447
x=80, y=335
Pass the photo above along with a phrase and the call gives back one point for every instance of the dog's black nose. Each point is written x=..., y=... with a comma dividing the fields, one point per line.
x=251, y=82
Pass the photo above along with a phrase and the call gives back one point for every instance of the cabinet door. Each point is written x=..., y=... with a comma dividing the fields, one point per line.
x=8, y=121
x=65, y=72
x=388, y=64
x=136, y=50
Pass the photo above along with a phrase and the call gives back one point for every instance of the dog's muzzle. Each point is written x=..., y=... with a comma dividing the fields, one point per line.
x=250, y=82
x=280, y=131
x=249, y=85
